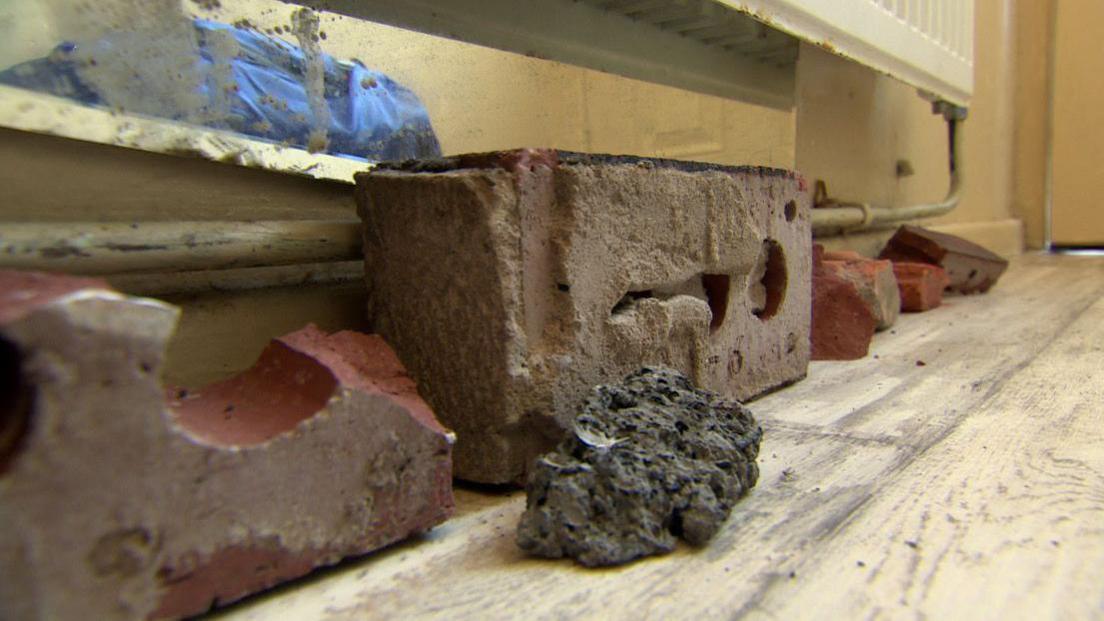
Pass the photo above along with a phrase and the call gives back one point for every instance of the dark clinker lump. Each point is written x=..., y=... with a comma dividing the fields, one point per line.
x=649, y=460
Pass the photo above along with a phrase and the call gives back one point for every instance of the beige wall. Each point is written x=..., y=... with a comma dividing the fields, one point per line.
x=1031, y=97
x=482, y=99
x=854, y=125
x=1077, y=177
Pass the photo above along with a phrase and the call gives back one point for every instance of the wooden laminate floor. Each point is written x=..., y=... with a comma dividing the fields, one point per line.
x=955, y=473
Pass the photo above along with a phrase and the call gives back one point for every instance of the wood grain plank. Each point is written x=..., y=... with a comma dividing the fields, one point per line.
x=856, y=459
x=1003, y=519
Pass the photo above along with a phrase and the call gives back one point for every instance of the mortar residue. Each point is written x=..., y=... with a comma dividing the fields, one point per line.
x=649, y=460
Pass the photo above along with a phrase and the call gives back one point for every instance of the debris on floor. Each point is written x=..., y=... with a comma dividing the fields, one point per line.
x=873, y=279
x=921, y=285
x=970, y=268
x=647, y=461
x=843, y=322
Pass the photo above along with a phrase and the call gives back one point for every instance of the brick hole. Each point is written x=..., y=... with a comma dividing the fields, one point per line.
x=629, y=298
x=284, y=388
x=716, y=295
x=16, y=403
x=791, y=343
x=736, y=362
x=768, y=290
x=790, y=211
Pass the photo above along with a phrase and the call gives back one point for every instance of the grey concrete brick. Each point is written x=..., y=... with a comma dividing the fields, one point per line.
x=511, y=283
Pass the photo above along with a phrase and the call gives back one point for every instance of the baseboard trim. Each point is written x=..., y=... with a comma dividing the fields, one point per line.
x=1004, y=237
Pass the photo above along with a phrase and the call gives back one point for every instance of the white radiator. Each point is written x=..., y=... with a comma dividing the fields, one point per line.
x=927, y=43
x=744, y=49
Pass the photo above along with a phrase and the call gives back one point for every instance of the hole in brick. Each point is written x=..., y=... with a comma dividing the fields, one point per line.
x=713, y=289
x=563, y=287
x=791, y=343
x=16, y=400
x=627, y=300
x=790, y=211
x=284, y=388
x=716, y=294
x=736, y=362
x=767, y=287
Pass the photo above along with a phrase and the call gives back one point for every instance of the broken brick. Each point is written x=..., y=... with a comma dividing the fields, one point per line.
x=875, y=282
x=117, y=505
x=970, y=268
x=511, y=283
x=921, y=285
x=843, y=255
x=843, y=323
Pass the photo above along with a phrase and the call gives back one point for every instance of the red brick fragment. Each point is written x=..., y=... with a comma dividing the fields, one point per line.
x=843, y=323
x=22, y=292
x=843, y=255
x=921, y=285
x=970, y=268
x=873, y=279
x=116, y=505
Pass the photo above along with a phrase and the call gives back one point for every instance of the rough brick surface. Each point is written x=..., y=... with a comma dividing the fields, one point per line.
x=970, y=268
x=843, y=322
x=875, y=282
x=921, y=285
x=117, y=506
x=512, y=283
x=647, y=461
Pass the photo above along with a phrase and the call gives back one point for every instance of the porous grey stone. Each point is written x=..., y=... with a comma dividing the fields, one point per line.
x=511, y=283
x=647, y=461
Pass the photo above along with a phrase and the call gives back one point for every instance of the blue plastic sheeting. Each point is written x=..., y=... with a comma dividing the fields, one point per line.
x=371, y=115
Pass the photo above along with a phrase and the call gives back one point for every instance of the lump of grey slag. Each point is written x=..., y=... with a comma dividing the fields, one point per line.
x=647, y=461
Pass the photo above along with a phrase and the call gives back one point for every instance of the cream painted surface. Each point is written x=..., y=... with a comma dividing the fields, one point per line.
x=220, y=334
x=1077, y=167
x=1034, y=19
x=25, y=29
x=853, y=126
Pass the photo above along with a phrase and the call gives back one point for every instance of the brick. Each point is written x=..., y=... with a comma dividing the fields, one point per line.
x=875, y=282
x=120, y=504
x=843, y=323
x=843, y=255
x=970, y=268
x=921, y=285
x=512, y=283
